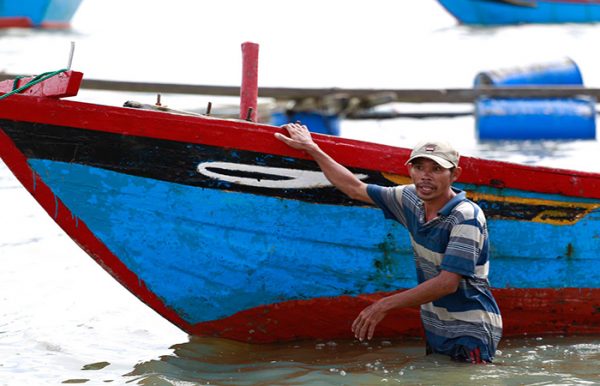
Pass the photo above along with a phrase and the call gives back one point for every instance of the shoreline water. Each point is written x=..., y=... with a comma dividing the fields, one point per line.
x=65, y=320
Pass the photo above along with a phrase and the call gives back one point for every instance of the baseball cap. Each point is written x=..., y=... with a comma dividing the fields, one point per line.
x=441, y=152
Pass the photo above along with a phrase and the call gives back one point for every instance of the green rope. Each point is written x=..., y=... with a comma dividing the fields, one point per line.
x=16, y=81
x=38, y=79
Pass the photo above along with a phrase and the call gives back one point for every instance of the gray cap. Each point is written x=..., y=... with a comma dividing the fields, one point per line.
x=441, y=152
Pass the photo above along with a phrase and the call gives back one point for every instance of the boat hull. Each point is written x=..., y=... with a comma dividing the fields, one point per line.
x=54, y=14
x=226, y=232
x=498, y=12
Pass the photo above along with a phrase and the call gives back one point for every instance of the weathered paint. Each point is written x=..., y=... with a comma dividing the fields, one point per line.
x=65, y=84
x=532, y=312
x=494, y=12
x=247, y=261
x=79, y=232
x=249, y=88
x=230, y=251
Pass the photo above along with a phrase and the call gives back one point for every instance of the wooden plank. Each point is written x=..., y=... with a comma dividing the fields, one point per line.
x=380, y=115
x=62, y=85
x=397, y=95
x=449, y=95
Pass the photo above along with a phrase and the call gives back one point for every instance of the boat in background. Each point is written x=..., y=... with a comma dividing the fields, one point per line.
x=225, y=231
x=51, y=14
x=500, y=12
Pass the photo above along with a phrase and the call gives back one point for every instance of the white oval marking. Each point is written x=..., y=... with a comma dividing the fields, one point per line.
x=296, y=178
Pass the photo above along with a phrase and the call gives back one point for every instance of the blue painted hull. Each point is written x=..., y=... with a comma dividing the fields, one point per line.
x=61, y=11
x=40, y=12
x=497, y=12
x=230, y=251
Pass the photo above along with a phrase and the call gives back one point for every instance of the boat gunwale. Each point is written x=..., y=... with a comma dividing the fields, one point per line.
x=259, y=138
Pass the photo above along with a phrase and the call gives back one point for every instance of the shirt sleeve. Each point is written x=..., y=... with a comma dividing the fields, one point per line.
x=389, y=200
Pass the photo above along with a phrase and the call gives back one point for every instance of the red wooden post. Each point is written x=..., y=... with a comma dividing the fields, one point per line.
x=249, y=89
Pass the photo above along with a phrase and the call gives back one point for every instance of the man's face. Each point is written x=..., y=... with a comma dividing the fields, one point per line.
x=432, y=180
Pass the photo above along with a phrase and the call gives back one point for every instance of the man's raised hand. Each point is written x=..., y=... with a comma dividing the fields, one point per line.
x=299, y=137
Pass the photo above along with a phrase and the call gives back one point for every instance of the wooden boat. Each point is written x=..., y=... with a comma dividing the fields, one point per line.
x=225, y=231
x=54, y=14
x=498, y=12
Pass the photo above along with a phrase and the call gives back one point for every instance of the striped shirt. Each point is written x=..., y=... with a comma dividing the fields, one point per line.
x=455, y=241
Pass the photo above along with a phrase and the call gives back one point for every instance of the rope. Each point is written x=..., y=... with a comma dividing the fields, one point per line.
x=38, y=79
x=16, y=81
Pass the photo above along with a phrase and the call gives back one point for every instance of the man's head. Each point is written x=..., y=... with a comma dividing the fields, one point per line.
x=440, y=152
x=433, y=167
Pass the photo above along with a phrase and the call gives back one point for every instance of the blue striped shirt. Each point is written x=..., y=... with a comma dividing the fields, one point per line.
x=455, y=241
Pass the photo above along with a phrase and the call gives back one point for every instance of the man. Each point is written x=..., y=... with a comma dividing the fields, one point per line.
x=449, y=238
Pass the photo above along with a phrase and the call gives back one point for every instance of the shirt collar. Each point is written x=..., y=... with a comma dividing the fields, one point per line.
x=460, y=196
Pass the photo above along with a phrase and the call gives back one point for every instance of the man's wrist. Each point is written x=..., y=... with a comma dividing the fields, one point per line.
x=313, y=150
x=386, y=304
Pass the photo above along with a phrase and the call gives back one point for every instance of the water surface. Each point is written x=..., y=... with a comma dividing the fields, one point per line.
x=64, y=320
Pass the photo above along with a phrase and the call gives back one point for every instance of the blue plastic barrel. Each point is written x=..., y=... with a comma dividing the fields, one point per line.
x=521, y=119
x=564, y=72
x=316, y=122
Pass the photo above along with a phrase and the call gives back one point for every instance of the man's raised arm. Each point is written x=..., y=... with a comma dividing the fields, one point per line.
x=337, y=174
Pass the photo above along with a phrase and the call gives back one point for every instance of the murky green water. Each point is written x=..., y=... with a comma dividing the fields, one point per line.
x=539, y=361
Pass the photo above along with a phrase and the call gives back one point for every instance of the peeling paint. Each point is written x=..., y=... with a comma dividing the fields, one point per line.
x=570, y=250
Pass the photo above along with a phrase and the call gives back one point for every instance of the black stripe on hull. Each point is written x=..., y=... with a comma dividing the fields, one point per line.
x=169, y=161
